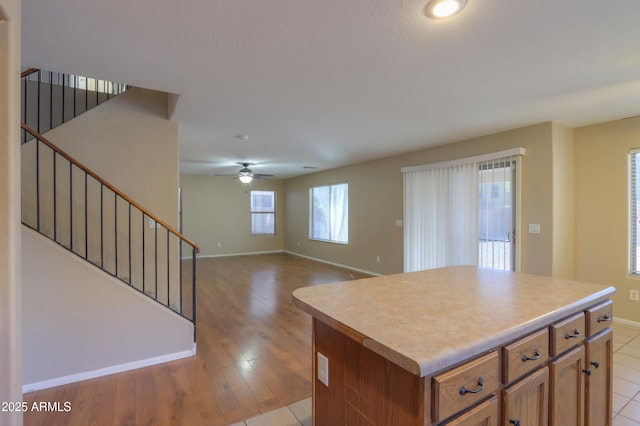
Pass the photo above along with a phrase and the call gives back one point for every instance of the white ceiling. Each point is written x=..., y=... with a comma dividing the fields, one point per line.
x=326, y=83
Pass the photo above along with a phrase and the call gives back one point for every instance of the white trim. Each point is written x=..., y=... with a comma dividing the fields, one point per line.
x=467, y=160
x=30, y=387
x=626, y=322
x=351, y=268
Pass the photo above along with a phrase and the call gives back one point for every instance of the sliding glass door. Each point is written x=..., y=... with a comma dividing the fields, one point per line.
x=497, y=213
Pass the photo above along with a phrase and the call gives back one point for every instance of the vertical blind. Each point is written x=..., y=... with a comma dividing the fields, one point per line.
x=441, y=210
x=634, y=198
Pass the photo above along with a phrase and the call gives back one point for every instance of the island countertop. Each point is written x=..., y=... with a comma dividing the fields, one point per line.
x=429, y=320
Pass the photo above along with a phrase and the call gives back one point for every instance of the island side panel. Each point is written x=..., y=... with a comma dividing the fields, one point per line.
x=364, y=388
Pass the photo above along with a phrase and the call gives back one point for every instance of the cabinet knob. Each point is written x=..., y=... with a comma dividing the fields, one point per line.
x=480, y=387
x=514, y=422
x=586, y=371
x=596, y=364
x=575, y=335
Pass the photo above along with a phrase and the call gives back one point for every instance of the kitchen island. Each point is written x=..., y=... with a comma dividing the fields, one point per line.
x=460, y=346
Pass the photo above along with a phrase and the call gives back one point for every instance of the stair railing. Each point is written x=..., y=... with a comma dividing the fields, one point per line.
x=50, y=98
x=73, y=206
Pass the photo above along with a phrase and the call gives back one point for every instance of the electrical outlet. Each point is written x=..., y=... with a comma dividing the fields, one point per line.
x=323, y=369
x=634, y=295
x=378, y=259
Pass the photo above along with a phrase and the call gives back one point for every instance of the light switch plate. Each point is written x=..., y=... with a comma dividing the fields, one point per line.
x=534, y=228
x=323, y=369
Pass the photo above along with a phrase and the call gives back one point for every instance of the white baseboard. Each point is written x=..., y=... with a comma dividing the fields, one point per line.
x=78, y=377
x=629, y=323
x=251, y=253
x=351, y=268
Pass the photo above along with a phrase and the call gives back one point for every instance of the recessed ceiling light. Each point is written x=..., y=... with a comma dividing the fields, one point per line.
x=438, y=9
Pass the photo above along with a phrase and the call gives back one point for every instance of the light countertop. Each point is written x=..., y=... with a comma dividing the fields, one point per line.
x=429, y=320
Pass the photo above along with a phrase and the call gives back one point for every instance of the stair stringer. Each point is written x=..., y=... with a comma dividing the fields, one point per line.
x=81, y=323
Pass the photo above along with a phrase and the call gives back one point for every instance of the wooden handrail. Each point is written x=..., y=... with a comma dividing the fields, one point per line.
x=25, y=73
x=108, y=185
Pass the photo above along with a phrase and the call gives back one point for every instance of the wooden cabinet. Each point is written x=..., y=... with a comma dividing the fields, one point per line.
x=558, y=375
x=566, y=405
x=525, y=402
x=599, y=350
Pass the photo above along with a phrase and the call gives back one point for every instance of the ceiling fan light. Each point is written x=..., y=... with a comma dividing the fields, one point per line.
x=245, y=178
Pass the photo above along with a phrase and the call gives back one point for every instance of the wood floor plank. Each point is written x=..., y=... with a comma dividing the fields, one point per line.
x=254, y=353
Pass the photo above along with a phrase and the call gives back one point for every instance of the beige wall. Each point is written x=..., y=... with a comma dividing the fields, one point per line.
x=10, y=288
x=376, y=202
x=602, y=209
x=130, y=142
x=216, y=210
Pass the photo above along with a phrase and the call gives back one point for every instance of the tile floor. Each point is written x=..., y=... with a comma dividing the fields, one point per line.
x=626, y=387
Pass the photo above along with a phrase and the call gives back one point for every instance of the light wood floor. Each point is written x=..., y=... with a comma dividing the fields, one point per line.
x=254, y=354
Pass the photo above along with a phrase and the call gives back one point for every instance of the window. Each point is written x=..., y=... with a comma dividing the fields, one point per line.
x=330, y=213
x=263, y=213
x=634, y=213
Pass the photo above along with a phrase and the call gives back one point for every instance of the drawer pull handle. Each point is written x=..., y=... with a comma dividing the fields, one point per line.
x=596, y=364
x=587, y=371
x=514, y=422
x=575, y=335
x=480, y=387
x=536, y=355
x=605, y=317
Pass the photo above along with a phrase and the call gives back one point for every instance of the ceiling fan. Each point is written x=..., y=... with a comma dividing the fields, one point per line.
x=246, y=175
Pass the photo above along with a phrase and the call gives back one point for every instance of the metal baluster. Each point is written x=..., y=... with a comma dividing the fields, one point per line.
x=38, y=103
x=193, y=294
x=63, y=90
x=155, y=225
x=55, y=199
x=86, y=216
x=168, y=264
x=70, y=206
x=50, y=100
x=37, y=183
x=180, y=273
x=129, y=224
x=24, y=107
x=102, y=225
x=115, y=225
x=75, y=96
x=143, y=254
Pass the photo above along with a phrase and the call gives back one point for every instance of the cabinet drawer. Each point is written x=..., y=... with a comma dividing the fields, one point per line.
x=525, y=355
x=485, y=414
x=567, y=333
x=463, y=386
x=599, y=317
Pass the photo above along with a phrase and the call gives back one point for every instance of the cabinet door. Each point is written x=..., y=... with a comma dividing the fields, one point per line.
x=526, y=402
x=485, y=414
x=599, y=380
x=567, y=383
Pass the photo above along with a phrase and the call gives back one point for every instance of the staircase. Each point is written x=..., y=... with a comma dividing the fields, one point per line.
x=65, y=201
